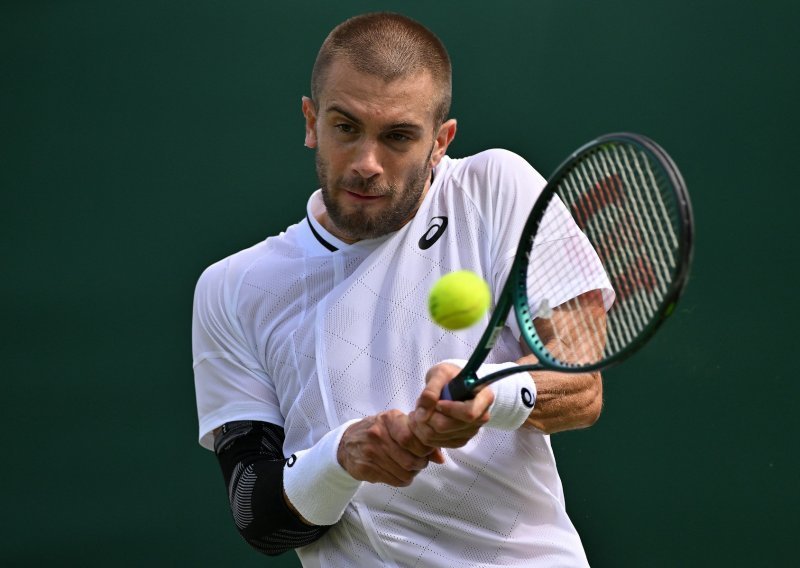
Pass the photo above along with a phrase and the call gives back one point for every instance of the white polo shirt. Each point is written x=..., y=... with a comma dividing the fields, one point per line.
x=307, y=332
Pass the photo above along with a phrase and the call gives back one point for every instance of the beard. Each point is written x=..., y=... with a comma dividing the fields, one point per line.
x=358, y=222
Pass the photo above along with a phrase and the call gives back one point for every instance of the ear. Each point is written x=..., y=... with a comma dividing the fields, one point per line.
x=310, y=112
x=445, y=135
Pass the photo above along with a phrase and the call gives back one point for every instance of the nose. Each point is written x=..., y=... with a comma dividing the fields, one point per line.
x=366, y=162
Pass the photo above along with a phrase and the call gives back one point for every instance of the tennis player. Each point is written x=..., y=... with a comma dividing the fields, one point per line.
x=318, y=371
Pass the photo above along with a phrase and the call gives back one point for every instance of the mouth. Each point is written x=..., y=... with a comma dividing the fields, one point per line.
x=361, y=197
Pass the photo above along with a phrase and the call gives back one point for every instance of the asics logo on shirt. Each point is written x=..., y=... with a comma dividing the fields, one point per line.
x=435, y=230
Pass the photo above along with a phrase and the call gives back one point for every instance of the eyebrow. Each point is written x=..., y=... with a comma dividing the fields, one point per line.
x=350, y=117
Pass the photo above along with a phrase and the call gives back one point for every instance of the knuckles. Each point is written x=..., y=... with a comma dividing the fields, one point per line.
x=375, y=432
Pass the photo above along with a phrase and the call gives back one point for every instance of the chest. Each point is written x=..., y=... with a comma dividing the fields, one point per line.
x=348, y=335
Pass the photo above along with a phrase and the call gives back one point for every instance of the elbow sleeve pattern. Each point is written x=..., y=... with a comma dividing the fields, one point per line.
x=240, y=495
x=251, y=458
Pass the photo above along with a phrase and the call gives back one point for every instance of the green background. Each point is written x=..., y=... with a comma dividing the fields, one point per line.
x=142, y=141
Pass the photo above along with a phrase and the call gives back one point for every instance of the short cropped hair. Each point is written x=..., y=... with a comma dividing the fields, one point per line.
x=389, y=46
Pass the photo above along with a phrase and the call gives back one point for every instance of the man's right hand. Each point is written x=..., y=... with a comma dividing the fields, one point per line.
x=383, y=449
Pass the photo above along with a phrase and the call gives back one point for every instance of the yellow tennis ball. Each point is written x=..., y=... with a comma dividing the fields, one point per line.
x=459, y=299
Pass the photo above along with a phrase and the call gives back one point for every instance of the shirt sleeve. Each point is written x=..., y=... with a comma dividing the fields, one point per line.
x=230, y=383
x=559, y=246
x=563, y=264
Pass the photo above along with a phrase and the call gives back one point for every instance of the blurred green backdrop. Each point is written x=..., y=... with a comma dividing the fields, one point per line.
x=142, y=141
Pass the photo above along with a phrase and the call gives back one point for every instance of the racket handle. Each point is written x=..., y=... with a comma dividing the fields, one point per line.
x=446, y=393
x=463, y=385
x=457, y=390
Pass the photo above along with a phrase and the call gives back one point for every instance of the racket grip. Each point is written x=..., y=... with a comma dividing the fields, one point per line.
x=446, y=393
x=456, y=390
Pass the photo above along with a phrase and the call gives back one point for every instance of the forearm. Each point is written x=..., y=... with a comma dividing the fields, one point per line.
x=251, y=458
x=565, y=401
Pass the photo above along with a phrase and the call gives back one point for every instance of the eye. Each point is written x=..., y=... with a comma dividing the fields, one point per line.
x=398, y=137
x=344, y=128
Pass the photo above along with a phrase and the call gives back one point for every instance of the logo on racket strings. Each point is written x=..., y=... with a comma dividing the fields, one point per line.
x=604, y=214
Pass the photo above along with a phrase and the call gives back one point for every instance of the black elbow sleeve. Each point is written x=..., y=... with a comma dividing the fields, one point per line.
x=250, y=455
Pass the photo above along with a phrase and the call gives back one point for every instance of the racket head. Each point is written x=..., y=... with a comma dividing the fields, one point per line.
x=629, y=200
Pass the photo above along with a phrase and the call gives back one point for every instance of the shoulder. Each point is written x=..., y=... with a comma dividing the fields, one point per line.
x=496, y=171
x=218, y=286
x=493, y=179
x=254, y=280
x=233, y=267
x=490, y=164
x=265, y=256
x=225, y=277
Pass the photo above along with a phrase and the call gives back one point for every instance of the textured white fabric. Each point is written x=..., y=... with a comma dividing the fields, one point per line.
x=295, y=334
x=317, y=486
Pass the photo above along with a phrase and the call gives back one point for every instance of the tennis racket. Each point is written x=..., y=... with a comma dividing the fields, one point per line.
x=618, y=205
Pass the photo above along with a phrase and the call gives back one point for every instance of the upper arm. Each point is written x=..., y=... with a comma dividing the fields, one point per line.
x=230, y=383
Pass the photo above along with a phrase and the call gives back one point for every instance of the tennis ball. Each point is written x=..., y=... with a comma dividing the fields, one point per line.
x=459, y=299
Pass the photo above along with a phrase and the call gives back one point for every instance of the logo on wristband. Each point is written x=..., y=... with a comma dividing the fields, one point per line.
x=292, y=459
x=527, y=397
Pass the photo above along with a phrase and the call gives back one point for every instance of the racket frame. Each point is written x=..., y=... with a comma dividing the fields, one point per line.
x=514, y=293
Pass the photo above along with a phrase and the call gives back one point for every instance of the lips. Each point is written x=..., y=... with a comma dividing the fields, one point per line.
x=361, y=197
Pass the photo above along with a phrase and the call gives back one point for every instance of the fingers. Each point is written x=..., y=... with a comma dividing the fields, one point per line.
x=435, y=380
x=407, y=439
x=393, y=448
x=437, y=456
x=469, y=411
x=400, y=431
x=444, y=432
x=373, y=450
x=446, y=423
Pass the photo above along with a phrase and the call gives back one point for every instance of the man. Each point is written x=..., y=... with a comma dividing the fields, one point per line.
x=318, y=371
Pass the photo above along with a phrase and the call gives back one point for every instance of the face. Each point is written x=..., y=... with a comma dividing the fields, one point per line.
x=376, y=146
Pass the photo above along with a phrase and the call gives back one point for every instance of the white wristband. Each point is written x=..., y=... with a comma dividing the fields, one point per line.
x=317, y=486
x=514, y=395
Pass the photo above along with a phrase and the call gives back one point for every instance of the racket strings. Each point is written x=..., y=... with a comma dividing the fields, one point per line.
x=579, y=337
x=612, y=234
x=624, y=206
x=630, y=258
x=653, y=216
